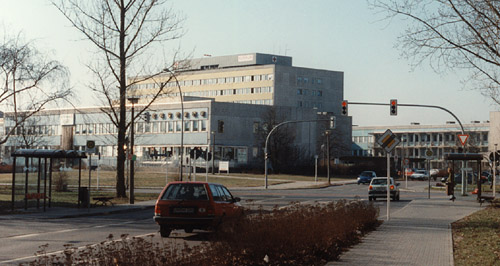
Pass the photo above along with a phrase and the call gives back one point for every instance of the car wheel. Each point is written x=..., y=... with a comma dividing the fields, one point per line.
x=188, y=230
x=370, y=198
x=397, y=197
x=165, y=231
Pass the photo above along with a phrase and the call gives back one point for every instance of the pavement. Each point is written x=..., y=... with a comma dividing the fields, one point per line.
x=418, y=234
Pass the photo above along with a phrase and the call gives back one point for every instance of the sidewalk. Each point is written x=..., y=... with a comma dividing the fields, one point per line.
x=418, y=234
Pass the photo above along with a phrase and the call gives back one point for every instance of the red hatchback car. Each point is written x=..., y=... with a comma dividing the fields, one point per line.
x=194, y=205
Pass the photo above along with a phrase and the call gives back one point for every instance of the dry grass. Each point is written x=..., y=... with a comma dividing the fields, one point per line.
x=476, y=238
x=300, y=235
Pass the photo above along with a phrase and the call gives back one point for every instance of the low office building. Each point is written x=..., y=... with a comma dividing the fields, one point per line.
x=416, y=139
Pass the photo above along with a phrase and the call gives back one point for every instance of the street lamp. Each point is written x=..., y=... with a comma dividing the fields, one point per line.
x=213, y=152
x=327, y=134
x=132, y=100
x=182, y=118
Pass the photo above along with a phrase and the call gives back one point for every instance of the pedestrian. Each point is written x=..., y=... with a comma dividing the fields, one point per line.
x=450, y=184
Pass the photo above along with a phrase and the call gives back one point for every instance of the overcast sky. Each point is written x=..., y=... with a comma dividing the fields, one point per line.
x=336, y=35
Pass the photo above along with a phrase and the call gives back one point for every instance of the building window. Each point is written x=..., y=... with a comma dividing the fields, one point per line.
x=187, y=126
x=299, y=91
x=255, y=127
x=220, y=126
x=195, y=125
x=203, y=125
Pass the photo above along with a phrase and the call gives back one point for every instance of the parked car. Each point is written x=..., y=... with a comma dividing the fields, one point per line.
x=194, y=205
x=419, y=175
x=366, y=176
x=378, y=189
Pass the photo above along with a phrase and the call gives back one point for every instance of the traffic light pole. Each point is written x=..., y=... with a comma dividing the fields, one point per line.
x=416, y=105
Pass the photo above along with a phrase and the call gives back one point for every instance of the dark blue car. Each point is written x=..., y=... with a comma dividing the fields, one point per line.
x=366, y=176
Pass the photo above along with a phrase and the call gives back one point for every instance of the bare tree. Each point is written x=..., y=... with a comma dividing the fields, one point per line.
x=282, y=152
x=452, y=34
x=30, y=82
x=29, y=134
x=128, y=34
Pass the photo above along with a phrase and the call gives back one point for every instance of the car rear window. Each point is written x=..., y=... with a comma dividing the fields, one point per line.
x=379, y=181
x=185, y=192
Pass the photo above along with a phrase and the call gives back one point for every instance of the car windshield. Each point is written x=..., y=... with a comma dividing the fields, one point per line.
x=368, y=174
x=381, y=181
x=185, y=192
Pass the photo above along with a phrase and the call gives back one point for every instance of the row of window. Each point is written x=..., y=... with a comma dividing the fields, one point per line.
x=305, y=92
x=305, y=80
x=213, y=93
x=211, y=81
x=261, y=102
x=47, y=130
x=306, y=104
x=143, y=127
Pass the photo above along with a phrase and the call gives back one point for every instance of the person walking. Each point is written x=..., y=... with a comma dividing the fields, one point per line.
x=450, y=184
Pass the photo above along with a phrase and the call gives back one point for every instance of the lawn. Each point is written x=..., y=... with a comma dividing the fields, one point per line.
x=476, y=238
x=106, y=181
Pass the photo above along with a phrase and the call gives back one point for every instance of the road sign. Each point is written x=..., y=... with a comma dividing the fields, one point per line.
x=388, y=141
x=429, y=153
x=495, y=157
x=90, y=147
x=463, y=138
x=406, y=161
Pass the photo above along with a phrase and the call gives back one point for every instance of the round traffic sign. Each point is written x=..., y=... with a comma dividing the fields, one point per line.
x=429, y=153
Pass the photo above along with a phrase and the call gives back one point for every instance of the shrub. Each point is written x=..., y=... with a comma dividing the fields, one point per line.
x=299, y=235
x=61, y=181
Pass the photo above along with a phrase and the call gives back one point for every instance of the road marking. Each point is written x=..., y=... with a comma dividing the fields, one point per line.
x=74, y=229
x=62, y=251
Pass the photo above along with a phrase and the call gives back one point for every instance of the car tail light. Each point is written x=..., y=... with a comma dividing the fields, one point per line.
x=157, y=214
x=370, y=187
x=392, y=187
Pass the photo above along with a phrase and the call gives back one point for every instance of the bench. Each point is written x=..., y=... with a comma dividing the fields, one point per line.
x=103, y=201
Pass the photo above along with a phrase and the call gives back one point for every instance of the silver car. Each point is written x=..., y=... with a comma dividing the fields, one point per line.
x=378, y=189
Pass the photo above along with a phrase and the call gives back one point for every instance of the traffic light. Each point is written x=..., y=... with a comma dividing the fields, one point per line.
x=147, y=117
x=394, y=107
x=344, y=108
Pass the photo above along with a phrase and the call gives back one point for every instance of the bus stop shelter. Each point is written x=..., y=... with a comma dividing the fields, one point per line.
x=47, y=156
x=467, y=157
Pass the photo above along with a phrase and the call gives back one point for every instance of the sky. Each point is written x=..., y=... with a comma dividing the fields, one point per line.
x=340, y=35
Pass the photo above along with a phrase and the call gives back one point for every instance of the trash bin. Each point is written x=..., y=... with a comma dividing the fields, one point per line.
x=84, y=197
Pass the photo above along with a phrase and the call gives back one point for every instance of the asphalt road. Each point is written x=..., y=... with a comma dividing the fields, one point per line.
x=21, y=239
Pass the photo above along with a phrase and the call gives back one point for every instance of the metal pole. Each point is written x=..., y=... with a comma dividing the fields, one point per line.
x=388, y=185
x=206, y=163
x=494, y=170
x=131, y=200
x=315, y=168
x=213, y=153
x=328, y=155
x=13, y=197
x=90, y=172
x=428, y=171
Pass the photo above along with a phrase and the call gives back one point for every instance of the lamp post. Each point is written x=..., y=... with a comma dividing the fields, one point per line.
x=494, y=170
x=327, y=134
x=182, y=118
x=213, y=152
x=132, y=100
